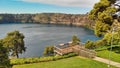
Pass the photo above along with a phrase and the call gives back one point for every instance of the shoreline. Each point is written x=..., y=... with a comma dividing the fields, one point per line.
x=56, y=24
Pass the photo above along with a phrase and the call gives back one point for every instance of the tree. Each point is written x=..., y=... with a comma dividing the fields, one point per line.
x=101, y=13
x=75, y=40
x=4, y=60
x=115, y=35
x=105, y=20
x=14, y=41
x=48, y=51
x=89, y=44
x=45, y=52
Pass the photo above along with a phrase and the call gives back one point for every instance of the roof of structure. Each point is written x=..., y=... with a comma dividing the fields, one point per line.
x=62, y=46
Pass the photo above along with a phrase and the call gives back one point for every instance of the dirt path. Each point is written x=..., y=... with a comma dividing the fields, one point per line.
x=116, y=64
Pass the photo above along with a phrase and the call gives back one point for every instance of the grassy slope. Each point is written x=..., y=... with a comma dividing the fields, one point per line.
x=74, y=62
x=105, y=54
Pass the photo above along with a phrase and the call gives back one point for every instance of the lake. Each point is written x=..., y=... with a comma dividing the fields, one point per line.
x=38, y=36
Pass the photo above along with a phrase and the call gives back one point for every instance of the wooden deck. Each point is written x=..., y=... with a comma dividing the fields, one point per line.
x=63, y=51
x=78, y=49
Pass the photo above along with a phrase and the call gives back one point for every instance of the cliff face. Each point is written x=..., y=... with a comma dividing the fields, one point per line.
x=50, y=18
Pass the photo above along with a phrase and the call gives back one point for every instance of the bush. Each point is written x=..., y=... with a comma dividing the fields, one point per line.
x=100, y=43
x=58, y=57
x=48, y=51
x=75, y=40
x=89, y=44
x=41, y=59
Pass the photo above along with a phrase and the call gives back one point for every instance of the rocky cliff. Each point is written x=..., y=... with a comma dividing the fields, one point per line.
x=49, y=18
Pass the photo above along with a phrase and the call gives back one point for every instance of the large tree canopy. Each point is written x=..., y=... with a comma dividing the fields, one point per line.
x=107, y=23
x=102, y=14
x=14, y=41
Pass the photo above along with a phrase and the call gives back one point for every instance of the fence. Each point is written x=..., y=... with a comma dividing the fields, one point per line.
x=78, y=49
x=84, y=52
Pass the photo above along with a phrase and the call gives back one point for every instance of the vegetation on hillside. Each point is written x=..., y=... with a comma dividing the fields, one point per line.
x=105, y=23
x=102, y=14
x=49, y=18
x=107, y=27
x=109, y=38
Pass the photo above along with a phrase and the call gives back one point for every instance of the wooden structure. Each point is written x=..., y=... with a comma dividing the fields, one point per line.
x=82, y=51
x=78, y=49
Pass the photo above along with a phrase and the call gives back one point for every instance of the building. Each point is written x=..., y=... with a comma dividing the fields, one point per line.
x=79, y=49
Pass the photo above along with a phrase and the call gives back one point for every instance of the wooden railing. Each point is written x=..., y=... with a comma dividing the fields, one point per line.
x=84, y=52
x=80, y=50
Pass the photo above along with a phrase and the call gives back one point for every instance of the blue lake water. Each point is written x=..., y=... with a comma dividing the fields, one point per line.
x=38, y=36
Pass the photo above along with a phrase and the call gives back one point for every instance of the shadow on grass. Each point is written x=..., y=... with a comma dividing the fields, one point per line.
x=115, y=49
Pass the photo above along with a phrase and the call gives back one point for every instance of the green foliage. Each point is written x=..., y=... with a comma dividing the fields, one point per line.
x=101, y=13
x=41, y=59
x=4, y=60
x=98, y=7
x=89, y=44
x=116, y=38
x=48, y=18
x=48, y=51
x=101, y=28
x=75, y=40
x=14, y=43
x=108, y=39
x=73, y=62
x=100, y=43
x=111, y=37
x=100, y=48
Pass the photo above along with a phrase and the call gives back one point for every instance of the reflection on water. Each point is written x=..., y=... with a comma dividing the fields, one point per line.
x=38, y=36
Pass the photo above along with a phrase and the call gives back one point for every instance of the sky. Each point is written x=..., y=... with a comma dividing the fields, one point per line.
x=46, y=6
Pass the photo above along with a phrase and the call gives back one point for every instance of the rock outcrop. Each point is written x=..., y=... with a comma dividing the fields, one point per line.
x=49, y=18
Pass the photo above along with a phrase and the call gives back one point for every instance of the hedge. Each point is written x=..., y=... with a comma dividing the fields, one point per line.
x=20, y=61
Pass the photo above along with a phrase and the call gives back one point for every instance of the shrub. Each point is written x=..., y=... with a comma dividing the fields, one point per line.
x=89, y=44
x=41, y=59
x=75, y=40
x=58, y=57
x=48, y=51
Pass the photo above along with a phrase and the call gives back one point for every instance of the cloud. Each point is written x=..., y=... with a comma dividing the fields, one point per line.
x=68, y=3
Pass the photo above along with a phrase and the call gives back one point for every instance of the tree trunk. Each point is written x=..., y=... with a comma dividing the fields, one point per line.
x=17, y=55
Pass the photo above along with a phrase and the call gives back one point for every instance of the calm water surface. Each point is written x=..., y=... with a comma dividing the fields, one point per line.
x=38, y=36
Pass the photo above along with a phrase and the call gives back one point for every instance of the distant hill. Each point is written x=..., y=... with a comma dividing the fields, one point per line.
x=49, y=18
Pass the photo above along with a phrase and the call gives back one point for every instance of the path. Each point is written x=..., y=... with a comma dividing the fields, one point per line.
x=107, y=61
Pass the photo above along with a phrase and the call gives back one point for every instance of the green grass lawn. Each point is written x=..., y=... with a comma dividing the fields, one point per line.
x=105, y=54
x=73, y=62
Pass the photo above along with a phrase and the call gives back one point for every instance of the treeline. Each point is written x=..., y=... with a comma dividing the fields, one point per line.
x=49, y=18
